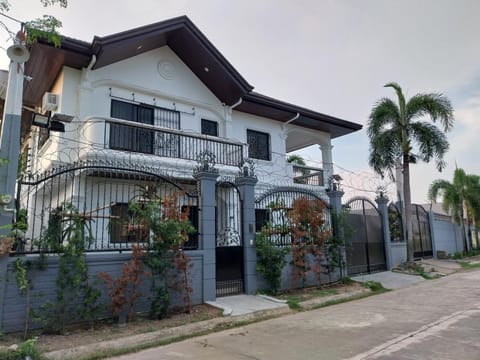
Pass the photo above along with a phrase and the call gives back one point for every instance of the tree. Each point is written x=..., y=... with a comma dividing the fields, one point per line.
x=300, y=162
x=460, y=195
x=394, y=128
x=45, y=27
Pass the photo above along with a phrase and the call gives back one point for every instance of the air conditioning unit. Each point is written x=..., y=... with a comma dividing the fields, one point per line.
x=50, y=101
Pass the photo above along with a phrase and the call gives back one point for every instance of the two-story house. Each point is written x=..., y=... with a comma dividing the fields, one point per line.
x=153, y=104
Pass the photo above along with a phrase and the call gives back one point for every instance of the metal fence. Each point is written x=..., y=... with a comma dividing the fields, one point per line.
x=273, y=206
x=422, y=240
x=100, y=194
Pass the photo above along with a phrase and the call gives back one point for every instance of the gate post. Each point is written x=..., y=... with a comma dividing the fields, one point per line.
x=382, y=203
x=207, y=201
x=246, y=186
x=336, y=208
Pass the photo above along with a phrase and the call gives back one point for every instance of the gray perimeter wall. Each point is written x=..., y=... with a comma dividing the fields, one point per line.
x=398, y=252
x=312, y=278
x=12, y=314
x=447, y=235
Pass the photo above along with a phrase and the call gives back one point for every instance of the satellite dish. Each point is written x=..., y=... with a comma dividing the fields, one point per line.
x=18, y=53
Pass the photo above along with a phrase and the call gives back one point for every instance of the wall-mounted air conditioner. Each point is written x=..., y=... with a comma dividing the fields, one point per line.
x=50, y=102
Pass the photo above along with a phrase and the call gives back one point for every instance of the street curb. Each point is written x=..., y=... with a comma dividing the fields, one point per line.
x=164, y=335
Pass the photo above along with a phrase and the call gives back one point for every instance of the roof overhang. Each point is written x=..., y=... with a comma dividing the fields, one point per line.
x=261, y=105
x=180, y=34
x=192, y=47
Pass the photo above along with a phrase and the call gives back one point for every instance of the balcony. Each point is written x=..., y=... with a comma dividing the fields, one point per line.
x=147, y=139
x=308, y=175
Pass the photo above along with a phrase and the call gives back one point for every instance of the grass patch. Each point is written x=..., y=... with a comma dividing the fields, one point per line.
x=347, y=299
x=467, y=265
x=294, y=303
x=374, y=286
x=347, y=280
x=325, y=292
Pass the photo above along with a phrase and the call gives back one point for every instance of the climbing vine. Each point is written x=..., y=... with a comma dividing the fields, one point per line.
x=68, y=234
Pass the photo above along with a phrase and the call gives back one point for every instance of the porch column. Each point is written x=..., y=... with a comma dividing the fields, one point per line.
x=336, y=209
x=206, y=183
x=246, y=185
x=327, y=162
x=382, y=203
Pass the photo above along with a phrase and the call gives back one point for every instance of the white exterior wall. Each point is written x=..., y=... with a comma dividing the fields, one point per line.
x=157, y=78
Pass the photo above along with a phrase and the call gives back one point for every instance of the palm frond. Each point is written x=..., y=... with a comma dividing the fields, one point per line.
x=384, y=113
x=385, y=149
x=432, y=142
x=437, y=106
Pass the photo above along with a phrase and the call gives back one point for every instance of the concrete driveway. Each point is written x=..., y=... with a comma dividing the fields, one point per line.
x=437, y=319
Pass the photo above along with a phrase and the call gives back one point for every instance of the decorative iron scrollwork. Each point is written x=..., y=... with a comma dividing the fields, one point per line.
x=206, y=161
x=229, y=237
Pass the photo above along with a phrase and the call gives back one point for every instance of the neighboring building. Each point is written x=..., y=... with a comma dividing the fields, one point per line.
x=157, y=102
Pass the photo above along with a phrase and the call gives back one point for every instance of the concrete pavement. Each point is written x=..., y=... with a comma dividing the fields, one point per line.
x=390, y=279
x=437, y=319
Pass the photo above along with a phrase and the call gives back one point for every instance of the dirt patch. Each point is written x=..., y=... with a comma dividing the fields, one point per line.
x=107, y=330
x=324, y=291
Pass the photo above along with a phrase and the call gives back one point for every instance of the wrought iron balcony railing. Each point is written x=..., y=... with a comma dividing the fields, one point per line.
x=148, y=139
x=308, y=175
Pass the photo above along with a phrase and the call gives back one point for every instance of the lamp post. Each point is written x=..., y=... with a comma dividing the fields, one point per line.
x=10, y=131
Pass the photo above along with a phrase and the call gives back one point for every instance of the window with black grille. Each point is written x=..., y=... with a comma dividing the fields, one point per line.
x=258, y=145
x=131, y=138
x=209, y=127
x=124, y=228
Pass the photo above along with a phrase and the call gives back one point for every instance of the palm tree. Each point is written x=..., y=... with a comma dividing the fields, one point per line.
x=395, y=128
x=300, y=162
x=460, y=195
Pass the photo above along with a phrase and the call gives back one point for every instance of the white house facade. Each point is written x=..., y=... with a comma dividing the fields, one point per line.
x=159, y=103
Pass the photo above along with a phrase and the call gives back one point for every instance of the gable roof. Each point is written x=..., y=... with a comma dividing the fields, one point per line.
x=192, y=47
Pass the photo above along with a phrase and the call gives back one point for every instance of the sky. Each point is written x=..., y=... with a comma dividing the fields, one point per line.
x=332, y=56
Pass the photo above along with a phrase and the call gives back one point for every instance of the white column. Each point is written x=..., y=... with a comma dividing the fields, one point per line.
x=327, y=162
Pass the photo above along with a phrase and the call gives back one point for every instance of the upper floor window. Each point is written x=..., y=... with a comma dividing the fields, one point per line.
x=209, y=127
x=258, y=145
x=131, y=138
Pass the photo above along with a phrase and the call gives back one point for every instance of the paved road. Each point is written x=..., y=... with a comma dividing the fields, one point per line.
x=438, y=319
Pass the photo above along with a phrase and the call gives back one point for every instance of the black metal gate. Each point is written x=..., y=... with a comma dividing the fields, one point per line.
x=366, y=250
x=229, y=240
x=422, y=241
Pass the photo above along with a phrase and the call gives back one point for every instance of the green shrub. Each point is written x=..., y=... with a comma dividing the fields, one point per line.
x=270, y=261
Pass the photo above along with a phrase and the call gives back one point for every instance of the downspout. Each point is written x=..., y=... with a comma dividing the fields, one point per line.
x=292, y=119
x=284, y=126
x=228, y=118
x=85, y=71
x=236, y=104
x=93, y=60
